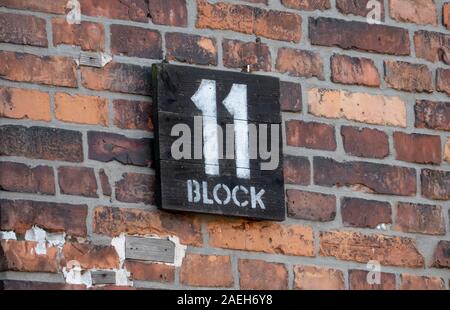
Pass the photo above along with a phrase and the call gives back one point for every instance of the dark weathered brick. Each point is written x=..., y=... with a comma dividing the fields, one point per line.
x=168, y=12
x=48, y=70
x=443, y=81
x=432, y=115
x=359, y=35
x=54, y=6
x=354, y=70
x=408, y=77
x=300, y=63
x=136, y=42
x=432, y=46
x=436, y=184
x=297, y=170
x=238, y=54
x=358, y=281
x=442, y=255
x=363, y=213
x=15, y=177
x=23, y=29
x=133, y=114
x=307, y=5
x=375, y=178
x=117, y=77
x=104, y=182
x=41, y=142
x=261, y=275
x=358, y=8
x=136, y=188
x=21, y=215
x=311, y=206
x=134, y=10
x=365, y=142
x=418, y=148
x=310, y=135
x=419, y=218
x=107, y=147
x=190, y=48
x=15, y=285
x=77, y=181
x=290, y=97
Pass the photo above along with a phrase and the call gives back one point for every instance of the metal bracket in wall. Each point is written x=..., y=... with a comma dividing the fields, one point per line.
x=98, y=60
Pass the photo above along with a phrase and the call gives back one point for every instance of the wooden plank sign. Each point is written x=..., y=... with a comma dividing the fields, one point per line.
x=218, y=142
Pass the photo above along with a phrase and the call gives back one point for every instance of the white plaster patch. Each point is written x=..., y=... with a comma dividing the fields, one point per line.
x=383, y=226
x=40, y=236
x=122, y=278
x=119, y=244
x=7, y=235
x=75, y=275
x=180, y=251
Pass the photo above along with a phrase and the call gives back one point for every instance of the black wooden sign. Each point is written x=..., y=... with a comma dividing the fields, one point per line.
x=218, y=142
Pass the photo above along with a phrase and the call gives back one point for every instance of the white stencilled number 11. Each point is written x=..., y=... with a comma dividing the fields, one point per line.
x=236, y=104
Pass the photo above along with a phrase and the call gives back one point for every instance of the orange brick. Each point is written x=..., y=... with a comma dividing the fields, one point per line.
x=412, y=282
x=317, y=278
x=81, y=109
x=206, y=270
x=89, y=36
x=360, y=107
x=447, y=151
x=422, y=12
x=24, y=103
x=262, y=237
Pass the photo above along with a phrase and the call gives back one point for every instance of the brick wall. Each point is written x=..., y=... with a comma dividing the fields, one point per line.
x=366, y=114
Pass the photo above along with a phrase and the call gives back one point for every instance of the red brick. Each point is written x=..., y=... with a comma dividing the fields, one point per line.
x=432, y=46
x=48, y=70
x=206, y=270
x=311, y=206
x=134, y=10
x=413, y=282
x=21, y=215
x=358, y=8
x=15, y=103
x=442, y=255
x=114, y=221
x=433, y=115
x=363, y=213
x=22, y=256
x=307, y=5
x=275, y=25
x=435, y=184
x=261, y=275
x=358, y=281
x=354, y=70
x=136, y=188
x=318, y=278
x=23, y=29
x=300, y=63
x=143, y=271
x=252, y=236
x=408, y=77
x=367, y=177
x=422, y=12
x=116, y=77
x=191, y=48
x=168, y=12
x=419, y=218
x=310, y=135
x=238, y=54
x=133, y=114
x=446, y=15
x=15, y=177
x=358, y=247
x=443, y=81
x=104, y=181
x=359, y=35
x=41, y=142
x=359, y=107
x=106, y=147
x=297, y=170
x=79, y=109
x=418, y=148
x=15, y=285
x=90, y=256
x=257, y=1
x=136, y=42
x=54, y=6
x=290, y=97
x=88, y=35
x=365, y=142
x=78, y=181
